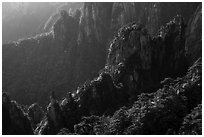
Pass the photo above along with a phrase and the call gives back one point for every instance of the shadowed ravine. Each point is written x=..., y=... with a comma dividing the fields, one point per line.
x=97, y=73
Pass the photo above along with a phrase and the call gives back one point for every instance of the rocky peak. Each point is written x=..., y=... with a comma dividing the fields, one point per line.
x=15, y=121
x=53, y=112
x=136, y=64
x=134, y=56
x=36, y=114
x=130, y=39
x=77, y=47
x=65, y=26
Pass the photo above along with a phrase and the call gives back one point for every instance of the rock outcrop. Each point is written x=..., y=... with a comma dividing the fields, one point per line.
x=173, y=106
x=14, y=120
x=35, y=66
x=76, y=49
x=52, y=122
x=194, y=36
x=145, y=60
x=36, y=114
x=69, y=7
x=146, y=81
x=117, y=86
x=168, y=106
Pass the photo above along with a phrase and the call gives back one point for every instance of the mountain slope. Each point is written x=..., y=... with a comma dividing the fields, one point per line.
x=146, y=81
x=76, y=48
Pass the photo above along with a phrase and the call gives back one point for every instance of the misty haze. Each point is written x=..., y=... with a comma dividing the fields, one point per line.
x=116, y=68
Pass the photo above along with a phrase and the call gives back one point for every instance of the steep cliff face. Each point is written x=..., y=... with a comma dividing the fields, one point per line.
x=143, y=13
x=151, y=15
x=177, y=106
x=145, y=60
x=92, y=40
x=38, y=65
x=77, y=48
x=136, y=64
x=59, y=60
x=194, y=36
x=170, y=106
x=121, y=83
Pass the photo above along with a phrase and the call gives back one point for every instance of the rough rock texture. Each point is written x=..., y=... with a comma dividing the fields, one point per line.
x=76, y=49
x=141, y=62
x=141, y=73
x=124, y=13
x=14, y=120
x=169, y=107
x=52, y=122
x=114, y=88
x=194, y=36
x=192, y=124
x=151, y=14
x=35, y=113
x=94, y=30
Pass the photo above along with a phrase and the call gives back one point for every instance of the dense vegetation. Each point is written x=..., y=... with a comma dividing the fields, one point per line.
x=151, y=76
x=76, y=48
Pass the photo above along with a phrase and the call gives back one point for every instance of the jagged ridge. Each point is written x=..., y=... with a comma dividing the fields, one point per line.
x=110, y=91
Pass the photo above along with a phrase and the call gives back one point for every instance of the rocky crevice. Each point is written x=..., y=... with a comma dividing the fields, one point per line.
x=145, y=74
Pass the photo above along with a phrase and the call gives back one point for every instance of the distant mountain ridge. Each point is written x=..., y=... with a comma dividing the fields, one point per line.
x=30, y=18
x=75, y=50
x=147, y=78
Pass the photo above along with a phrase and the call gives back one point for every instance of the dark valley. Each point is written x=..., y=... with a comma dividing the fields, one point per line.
x=103, y=69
